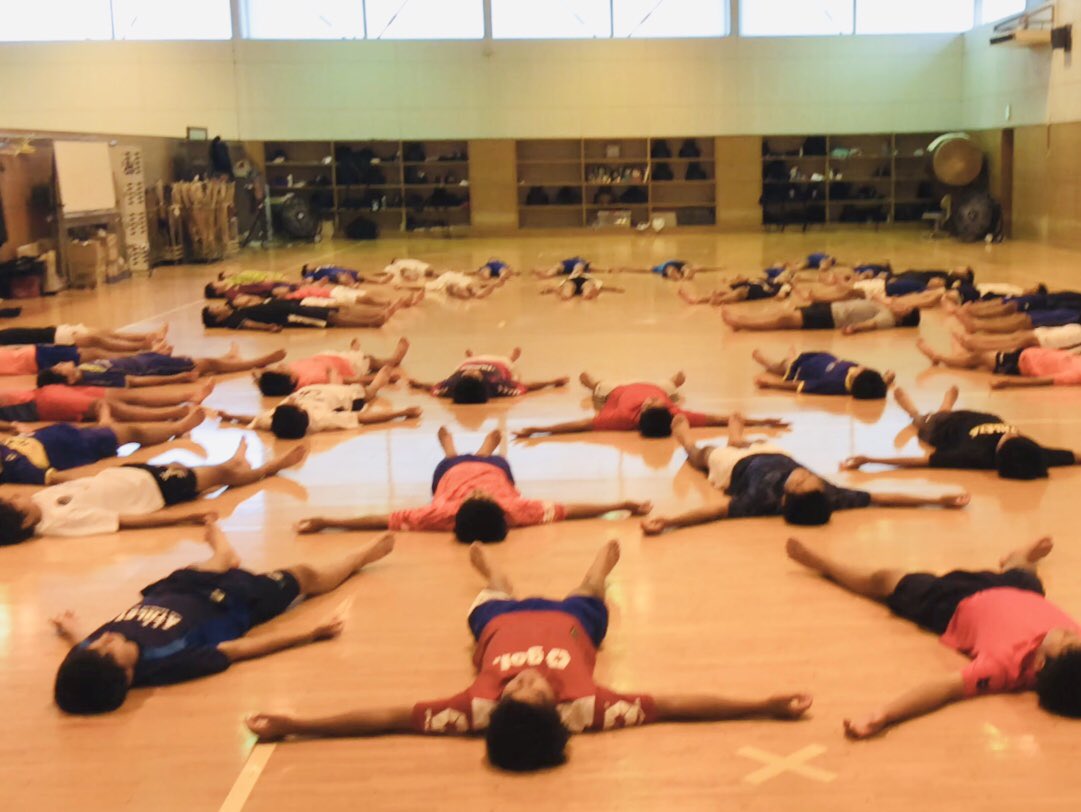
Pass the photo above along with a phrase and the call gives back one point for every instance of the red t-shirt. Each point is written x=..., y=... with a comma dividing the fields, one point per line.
x=310, y=292
x=1000, y=629
x=66, y=404
x=620, y=410
x=19, y=360
x=459, y=483
x=1062, y=367
x=556, y=645
x=318, y=368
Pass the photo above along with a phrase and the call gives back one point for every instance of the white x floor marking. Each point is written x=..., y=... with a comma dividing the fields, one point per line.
x=776, y=765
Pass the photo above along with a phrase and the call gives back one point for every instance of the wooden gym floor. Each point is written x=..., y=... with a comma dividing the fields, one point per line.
x=715, y=608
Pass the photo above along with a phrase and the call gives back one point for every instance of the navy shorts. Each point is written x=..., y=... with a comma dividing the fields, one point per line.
x=158, y=364
x=930, y=600
x=20, y=412
x=68, y=446
x=448, y=463
x=590, y=612
x=1008, y=363
x=252, y=599
x=176, y=482
x=818, y=316
x=49, y=355
x=1054, y=318
x=28, y=335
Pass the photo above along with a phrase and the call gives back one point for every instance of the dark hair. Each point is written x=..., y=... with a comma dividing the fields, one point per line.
x=276, y=384
x=289, y=422
x=869, y=385
x=211, y=292
x=522, y=737
x=48, y=377
x=1041, y=288
x=1020, y=458
x=910, y=319
x=655, y=421
x=89, y=682
x=811, y=508
x=480, y=520
x=469, y=390
x=1058, y=685
x=967, y=275
x=209, y=319
x=11, y=525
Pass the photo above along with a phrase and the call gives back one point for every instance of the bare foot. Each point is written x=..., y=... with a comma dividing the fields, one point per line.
x=479, y=559
x=760, y=358
x=203, y=392
x=383, y=547
x=400, y=351
x=686, y=295
x=609, y=556
x=1039, y=549
x=194, y=418
x=233, y=352
x=516, y=353
x=679, y=378
x=241, y=453
x=275, y=357
x=290, y=459
x=801, y=554
x=162, y=348
x=925, y=348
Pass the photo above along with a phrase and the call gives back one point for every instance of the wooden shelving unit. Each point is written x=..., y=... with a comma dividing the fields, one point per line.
x=572, y=183
x=398, y=185
x=851, y=179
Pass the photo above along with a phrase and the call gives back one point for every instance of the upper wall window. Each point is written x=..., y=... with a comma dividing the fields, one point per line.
x=998, y=9
x=49, y=20
x=793, y=18
x=425, y=19
x=164, y=19
x=670, y=18
x=312, y=19
x=551, y=19
x=914, y=16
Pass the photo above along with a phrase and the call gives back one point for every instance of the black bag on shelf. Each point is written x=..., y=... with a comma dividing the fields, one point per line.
x=775, y=171
x=604, y=197
x=566, y=196
x=814, y=145
x=663, y=172
x=414, y=152
x=696, y=172
x=414, y=201
x=660, y=149
x=689, y=149
x=536, y=196
x=414, y=175
x=362, y=229
x=374, y=175
x=634, y=195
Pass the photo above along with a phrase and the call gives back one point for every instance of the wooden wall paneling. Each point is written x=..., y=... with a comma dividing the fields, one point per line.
x=739, y=181
x=493, y=184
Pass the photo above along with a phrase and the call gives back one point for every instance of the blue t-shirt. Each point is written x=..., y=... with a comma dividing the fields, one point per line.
x=662, y=269
x=814, y=260
x=114, y=371
x=331, y=272
x=568, y=265
x=495, y=268
x=902, y=287
x=820, y=373
x=26, y=459
x=757, y=487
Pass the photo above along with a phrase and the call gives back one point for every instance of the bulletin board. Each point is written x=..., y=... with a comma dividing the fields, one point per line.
x=84, y=176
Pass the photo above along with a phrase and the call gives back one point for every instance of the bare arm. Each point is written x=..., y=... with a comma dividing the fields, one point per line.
x=655, y=525
x=67, y=627
x=317, y=523
x=1016, y=382
x=860, y=327
x=7, y=427
x=709, y=707
x=571, y=427
x=535, y=385
x=908, y=500
x=928, y=697
x=766, y=382
x=591, y=511
x=249, y=324
x=858, y=461
x=365, y=418
x=260, y=645
x=270, y=727
x=163, y=518
x=136, y=381
x=420, y=385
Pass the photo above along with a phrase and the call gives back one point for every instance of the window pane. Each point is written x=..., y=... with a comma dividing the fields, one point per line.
x=170, y=19
x=997, y=9
x=312, y=19
x=913, y=16
x=793, y=18
x=23, y=20
x=551, y=19
x=671, y=18
x=425, y=19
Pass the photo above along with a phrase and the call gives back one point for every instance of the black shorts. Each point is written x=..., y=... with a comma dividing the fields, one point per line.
x=20, y=412
x=252, y=599
x=818, y=316
x=176, y=482
x=928, y=429
x=1008, y=363
x=28, y=335
x=930, y=600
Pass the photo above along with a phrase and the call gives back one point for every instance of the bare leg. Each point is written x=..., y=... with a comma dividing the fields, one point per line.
x=351, y=319
x=104, y=342
x=962, y=360
x=446, y=440
x=516, y=353
x=151, y=396
x=876, y=584
x=237, y=471
x=128, y=413
x=1000, y=324
x=381, y=379
x=999, y=343
x=909, y=406
x=686, y=295
x=231, y=363
x=1027, y=558
x=490, y=444
x=149, y=433
x=320, y=579
x=697, y=456
x=593, y=583
x=496, y=578
x=588, y=381
x=776, y=367
x=223, y=557
x=949, y=400
x=790, y=320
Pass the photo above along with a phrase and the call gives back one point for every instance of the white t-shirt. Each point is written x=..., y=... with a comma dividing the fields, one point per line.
x=67, y=333
x=1066, y=337
x=329, y=406
x=871, y=287
x=999, y=288
x=93, y=505
x=723, y=459
x=445, y=280
x=409, y=270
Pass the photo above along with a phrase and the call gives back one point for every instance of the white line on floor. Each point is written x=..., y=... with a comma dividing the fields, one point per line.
x=776, y=765
x=245, y=782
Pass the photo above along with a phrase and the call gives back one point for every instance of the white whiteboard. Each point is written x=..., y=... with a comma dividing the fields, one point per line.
x=84, y=174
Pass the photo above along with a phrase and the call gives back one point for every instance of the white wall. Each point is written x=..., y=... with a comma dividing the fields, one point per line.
x=294, y=90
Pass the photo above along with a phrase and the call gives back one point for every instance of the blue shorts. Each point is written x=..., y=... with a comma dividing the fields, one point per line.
x=590, y=612
x=448, y=463
x=249, y=597
x=903, y=287
x=68, y=446
x=1054, y=318
x=49, y=355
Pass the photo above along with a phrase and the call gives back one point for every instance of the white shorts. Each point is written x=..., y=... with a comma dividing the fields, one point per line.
x=722, y=460
x=361, y=363
x=1054, y=338
x=487, y=595
x=1000, y=289
x=871, y=287
x=340, y=293
x=67, y=333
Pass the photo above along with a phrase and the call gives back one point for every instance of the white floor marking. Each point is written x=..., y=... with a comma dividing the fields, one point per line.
x=245, y=782
x=776, y=765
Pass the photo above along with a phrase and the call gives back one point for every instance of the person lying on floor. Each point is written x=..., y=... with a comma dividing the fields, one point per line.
x=482, y=377
x=534, y=684
x=130, y=497
x=336, y=275
x=30, y=359
x=49, y=455
x=647, y=407
x=1026, y=303
x=970, y=440
x=151, y=369
x=196, y=622
x=1063, y=337
x=1032, y=366
x=474, y=496
x=760, y=479
x=820, y=373
x=675, y=270
x=1015, y=638
x=867, y=289
x=495, y=269
x=568, y=267
x=324, y=407
x=737, y=291
x=351, y=366
x=276, y=314
x=459, y=285
x=82, y=404
x=965, y=293
x=1019, y=322
x=580, y=284
x=850, y=317
x=83, y=337
x=326, y=295
x=230, y=291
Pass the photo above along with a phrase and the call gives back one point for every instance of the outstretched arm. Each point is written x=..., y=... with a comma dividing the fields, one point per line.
x=1015, y=382
x=709, y=707
x=858, y=461
x=414, y=384
x=66, y=626
x=769, y=382
x=270, y=727
x=317, y=523
x=655, y=525
x=928, y=697
x=591, y=511
x=958, y=500
x=260, y=645
x=249, y=324
x=166, y=519
x=572, y=427
x=365, y=418
x=535, y=385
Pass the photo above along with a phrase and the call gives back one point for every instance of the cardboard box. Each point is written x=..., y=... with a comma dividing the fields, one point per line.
x=86, y=263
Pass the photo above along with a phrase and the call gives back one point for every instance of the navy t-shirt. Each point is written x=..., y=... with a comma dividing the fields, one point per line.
x=757, y=487
x=820, y=373
x=115, y=371
x=570, y=264
x=969, y=440
x=281, y=312
x=331, y=272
